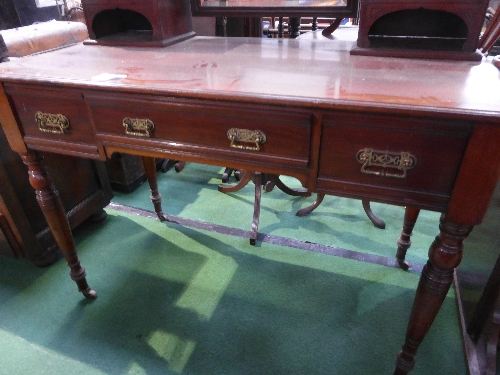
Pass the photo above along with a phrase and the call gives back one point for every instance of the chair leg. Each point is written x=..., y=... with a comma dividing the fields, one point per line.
x=285, y=189
x=245, y=179
x=404, y=242
x=228, y=172
x=179, y=166
x=167, y=164
x=226, y=175
x=376, y=221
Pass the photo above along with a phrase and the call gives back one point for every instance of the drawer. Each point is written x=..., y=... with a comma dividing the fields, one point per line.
x=52, y=114
x=269, y=135
x=392, y=159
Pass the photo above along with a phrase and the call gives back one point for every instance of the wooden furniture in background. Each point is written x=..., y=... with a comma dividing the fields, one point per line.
x=421, y=29
x=265, y=181
x=9, y=18
x=44, y=36
x=125, y=172
x=17, y=13
x=491, y=34
x=137, y=23
x=265, y=8
x=324, y=113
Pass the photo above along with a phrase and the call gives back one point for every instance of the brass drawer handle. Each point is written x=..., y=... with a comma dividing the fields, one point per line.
x=377, y=162
x=138, y=127
x=246, y=136
x=51, y=123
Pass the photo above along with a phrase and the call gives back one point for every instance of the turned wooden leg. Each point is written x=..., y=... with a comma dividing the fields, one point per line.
x=257, y=179
x=307, y=210
x=51, y=205
x=445, y=255
x=150, y=168
x=376, y=221
x=404, y=242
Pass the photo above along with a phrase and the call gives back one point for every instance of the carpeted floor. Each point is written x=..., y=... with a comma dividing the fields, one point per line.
x=176, y=299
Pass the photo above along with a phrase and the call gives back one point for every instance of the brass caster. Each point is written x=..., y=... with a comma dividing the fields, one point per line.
x=90, y=293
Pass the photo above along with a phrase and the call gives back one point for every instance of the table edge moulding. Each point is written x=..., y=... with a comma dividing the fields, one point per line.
x=410, y=132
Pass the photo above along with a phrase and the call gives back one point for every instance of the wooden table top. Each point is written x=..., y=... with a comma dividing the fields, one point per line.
x=307, y=71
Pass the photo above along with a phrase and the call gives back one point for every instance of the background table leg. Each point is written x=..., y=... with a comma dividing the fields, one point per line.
x=257, y=180
x=404, y=242
x=52, y=208
x=445, y=254
x=150, y=169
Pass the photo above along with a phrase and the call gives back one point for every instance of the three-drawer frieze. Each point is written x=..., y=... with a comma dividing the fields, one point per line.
x=404, y=159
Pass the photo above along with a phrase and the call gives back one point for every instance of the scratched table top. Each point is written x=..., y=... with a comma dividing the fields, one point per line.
x=312, y=70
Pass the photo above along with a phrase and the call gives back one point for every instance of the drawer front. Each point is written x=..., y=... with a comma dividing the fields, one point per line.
x=267, y=135
x=405, y=160
x=52, y=114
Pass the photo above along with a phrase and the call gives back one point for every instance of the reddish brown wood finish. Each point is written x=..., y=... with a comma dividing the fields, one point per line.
x=51, y=205
x=437, y=145
x=478, y=176
x=184, y=123
x=318, y=104
x=168, y=21
x=10, y=125
x=434, y=28
x=445, y=254
x=70, y=103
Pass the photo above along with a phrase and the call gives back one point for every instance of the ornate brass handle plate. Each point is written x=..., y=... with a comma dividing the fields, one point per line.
x=246, y=136
x=385, y=163
x=52, y=123
x=138, y=127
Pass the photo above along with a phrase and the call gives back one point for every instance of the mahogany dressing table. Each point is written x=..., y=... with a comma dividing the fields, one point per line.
x=422, y=133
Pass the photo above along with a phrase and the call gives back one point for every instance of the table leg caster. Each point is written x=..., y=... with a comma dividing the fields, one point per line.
x=89, y=293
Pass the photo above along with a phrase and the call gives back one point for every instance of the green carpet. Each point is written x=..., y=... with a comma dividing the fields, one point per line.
x=174, y=300
x=336, y=222
x=177, y=300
